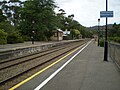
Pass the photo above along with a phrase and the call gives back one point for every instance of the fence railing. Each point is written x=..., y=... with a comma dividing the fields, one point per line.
x=114, y=52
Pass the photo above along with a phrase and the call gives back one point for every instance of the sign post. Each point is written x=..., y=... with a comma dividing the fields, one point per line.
x=106, y=14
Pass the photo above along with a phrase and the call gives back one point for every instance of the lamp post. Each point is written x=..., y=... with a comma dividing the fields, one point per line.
x=98, y=31
x=66, y=24
x=106, y=43
x=33, y=34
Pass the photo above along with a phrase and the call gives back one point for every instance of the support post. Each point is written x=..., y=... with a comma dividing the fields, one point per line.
x=106, y=42
x=98, y=32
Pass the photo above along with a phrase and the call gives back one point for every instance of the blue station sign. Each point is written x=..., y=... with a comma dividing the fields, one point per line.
x=106, y=14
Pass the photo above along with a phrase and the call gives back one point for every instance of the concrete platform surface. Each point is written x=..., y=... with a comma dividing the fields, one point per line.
x=87, y=71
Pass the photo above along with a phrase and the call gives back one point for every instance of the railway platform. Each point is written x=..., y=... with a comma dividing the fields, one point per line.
x=8, y=47
x=21, y=49
x=85, y=70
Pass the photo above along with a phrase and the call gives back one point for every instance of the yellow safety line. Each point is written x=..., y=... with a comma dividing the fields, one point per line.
x=26, y=80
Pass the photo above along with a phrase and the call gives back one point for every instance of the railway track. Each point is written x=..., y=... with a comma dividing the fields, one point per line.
x=12, y=69
x=13, y=59
x=10, y=63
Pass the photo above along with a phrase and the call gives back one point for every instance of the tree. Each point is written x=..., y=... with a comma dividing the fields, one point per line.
x=14, y=38
x=61, y=19
x=114, y=31
x=69, y=24
x=3, y=37
x=75, y=34
x=11, y=9
x=2, y=17
x=7, y=17
x=38, y=16
x=7, y=27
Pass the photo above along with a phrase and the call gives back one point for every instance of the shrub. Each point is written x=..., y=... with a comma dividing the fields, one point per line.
x=101, y=42
x=14, y=38
x=3, y=37
x=26, y=38
x=115, y=39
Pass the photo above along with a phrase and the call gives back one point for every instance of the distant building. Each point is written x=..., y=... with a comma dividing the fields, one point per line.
x=58, y=35
x=66, y=32
x=65, y=35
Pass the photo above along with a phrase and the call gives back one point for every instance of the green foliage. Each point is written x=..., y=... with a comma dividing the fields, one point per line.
x=2, y=17
x=3, y=37
x=117, y=39
x=101, y=42
x=13, y=35
x=26, y=38
x=75, y=34
x=11, y=9
x=114, y=33
x=114, y=39
x=14, y=38
x=7, y=27
x=40, y=18
x=70, y=24
x=86, y=33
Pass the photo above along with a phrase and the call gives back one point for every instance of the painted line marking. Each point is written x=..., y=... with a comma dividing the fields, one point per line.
x=58, y=70
x=39, y=72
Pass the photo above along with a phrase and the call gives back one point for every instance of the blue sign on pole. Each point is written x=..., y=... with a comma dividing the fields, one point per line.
x=106, y=14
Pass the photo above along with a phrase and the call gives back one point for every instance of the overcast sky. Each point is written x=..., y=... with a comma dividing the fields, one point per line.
x=87, y=12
